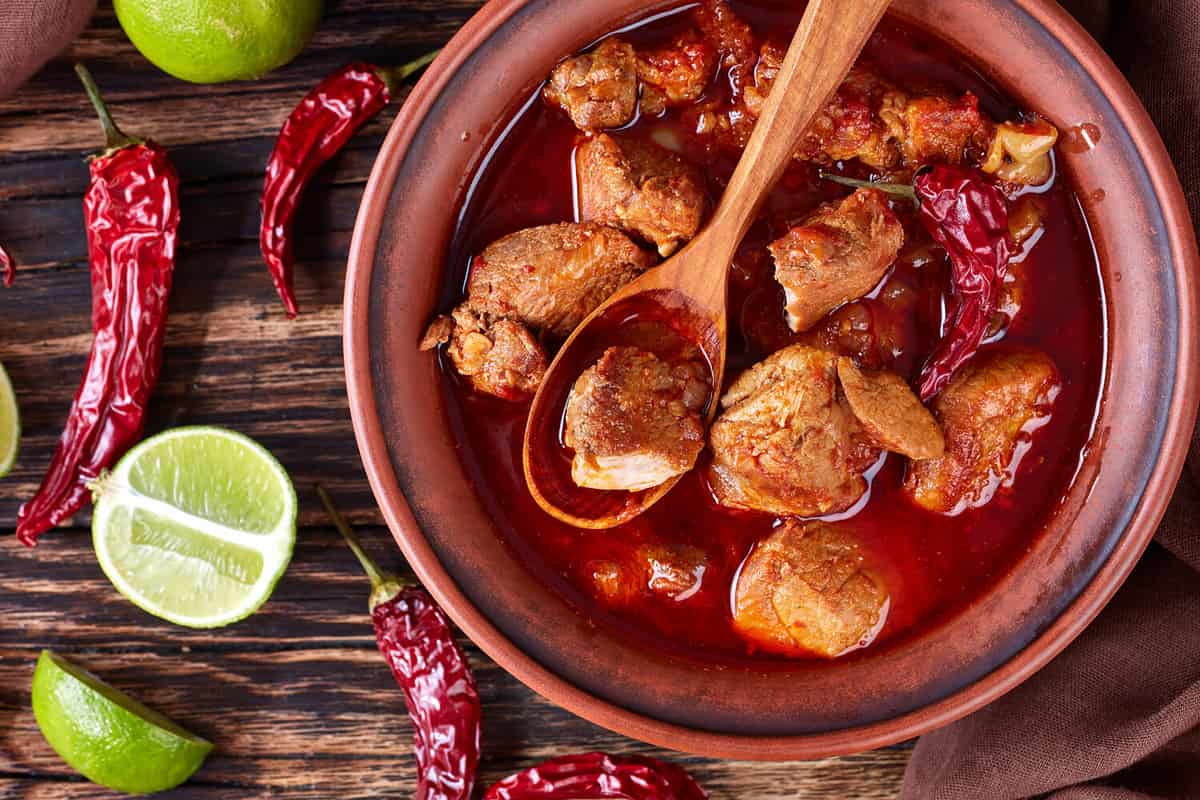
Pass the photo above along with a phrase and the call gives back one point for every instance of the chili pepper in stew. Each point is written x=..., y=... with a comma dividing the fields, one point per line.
x=414, y=636
x=131, y=211
x=312, y=134
x=967, y=215
x=9, y=267
x=601, y=776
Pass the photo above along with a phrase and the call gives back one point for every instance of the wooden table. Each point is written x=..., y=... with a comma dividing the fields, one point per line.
x=295, y=697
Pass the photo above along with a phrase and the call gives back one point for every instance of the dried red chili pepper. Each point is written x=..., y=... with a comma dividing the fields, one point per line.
x=9, y=267
x=967, y=215
x=131, y=210
x=601, y=776
x=415, y=638
x=312, y=134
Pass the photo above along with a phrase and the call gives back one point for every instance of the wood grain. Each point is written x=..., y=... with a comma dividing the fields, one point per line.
x=295, y=697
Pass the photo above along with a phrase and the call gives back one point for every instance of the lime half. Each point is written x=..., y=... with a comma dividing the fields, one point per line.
x=196, y=525
x=10, y=424
x=109, y=737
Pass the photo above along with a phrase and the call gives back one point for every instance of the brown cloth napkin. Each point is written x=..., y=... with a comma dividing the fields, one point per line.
x=34, y=31
x=1117, y=715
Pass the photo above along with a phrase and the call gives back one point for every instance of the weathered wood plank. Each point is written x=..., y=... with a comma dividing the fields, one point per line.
x=226, y=325
x=337, y=711
x=301, y=683
x=320, y=602
x=390, y=775
x=231, y=374
x=175, y=112
x=224, y=339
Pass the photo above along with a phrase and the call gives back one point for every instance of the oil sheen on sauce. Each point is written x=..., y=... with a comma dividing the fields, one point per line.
x=932, y=565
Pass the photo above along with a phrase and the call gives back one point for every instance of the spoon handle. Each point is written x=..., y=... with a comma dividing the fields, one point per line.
x=828, y=40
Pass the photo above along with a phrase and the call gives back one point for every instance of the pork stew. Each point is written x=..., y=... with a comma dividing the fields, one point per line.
x=827, y=510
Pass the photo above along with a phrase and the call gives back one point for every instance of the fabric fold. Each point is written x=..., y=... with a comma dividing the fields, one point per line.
x=34, y=31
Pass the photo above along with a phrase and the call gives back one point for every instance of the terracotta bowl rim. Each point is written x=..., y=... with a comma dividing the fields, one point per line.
x=1044, y=647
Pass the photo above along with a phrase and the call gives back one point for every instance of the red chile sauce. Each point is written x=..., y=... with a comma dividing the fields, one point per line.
x=932, y=565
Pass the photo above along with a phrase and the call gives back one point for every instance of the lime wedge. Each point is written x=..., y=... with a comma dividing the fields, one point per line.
x=196, y=525
x=109, y=737
x=10, y=424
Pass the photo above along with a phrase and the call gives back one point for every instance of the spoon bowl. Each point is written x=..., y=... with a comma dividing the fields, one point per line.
x=687, y=292
x=650, y=317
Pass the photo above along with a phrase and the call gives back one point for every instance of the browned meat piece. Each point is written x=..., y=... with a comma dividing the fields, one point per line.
x=789, y=442
x=499, y=356
x=876, y=332
x=988, y=413
x=1026, y=223
x=1020, y=151
x=848, y=127
x=641, y=188
x=676, y=74
x=755, y=91
x=438, y=333
x=597, y=89
x=1026, y=219
x=839, y=253
x=933, y=128
x=614, y=582
x=727, y=32
x=872, y=120
x=804, y=591
x=552, y=276
x=786, y=443
x=674, y=571
x=845, y=130
x=634, y=420
x=889, y=412
x=546, y=278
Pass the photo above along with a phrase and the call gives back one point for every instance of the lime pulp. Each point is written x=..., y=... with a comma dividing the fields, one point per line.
x=196, y=525
x=10, y=424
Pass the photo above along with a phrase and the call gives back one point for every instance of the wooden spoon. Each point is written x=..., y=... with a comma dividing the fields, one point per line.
x=689, y=289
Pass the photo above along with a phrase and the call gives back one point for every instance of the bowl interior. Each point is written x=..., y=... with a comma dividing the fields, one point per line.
x=410, y=448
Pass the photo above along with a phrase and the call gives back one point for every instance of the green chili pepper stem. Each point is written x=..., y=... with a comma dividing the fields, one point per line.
x=394, y=76
x=115, y=139
x=900, y=189
x=384, y=586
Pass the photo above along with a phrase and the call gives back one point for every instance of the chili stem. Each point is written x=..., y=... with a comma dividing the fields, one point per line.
x=394, y=76
x=900, y=189
x=115, y=139
x=383, y=586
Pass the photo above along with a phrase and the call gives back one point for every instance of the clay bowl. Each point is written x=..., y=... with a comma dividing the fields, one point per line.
x=1143, y=235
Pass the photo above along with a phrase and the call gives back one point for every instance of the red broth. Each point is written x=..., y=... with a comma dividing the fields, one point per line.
x=932, y=565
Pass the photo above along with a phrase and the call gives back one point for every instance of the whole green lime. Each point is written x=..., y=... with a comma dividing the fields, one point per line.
x=112, y=739
x=210, y=41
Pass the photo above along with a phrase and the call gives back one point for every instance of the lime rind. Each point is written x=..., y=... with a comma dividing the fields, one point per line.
x=106, y=735
x=179, y=565
x=114, y=695
x=212, y=41
x=10, y=424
